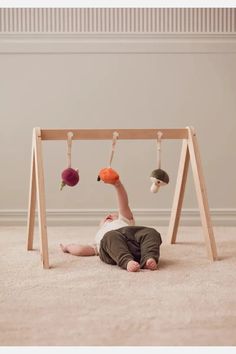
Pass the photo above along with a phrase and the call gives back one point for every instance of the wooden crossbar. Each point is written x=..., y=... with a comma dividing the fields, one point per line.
x=190, y=154
x=106, y=134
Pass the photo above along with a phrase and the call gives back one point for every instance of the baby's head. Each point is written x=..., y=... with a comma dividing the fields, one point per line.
x=108, y=218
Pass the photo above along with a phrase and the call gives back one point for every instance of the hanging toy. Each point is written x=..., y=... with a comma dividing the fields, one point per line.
x=158, y=177
x=108, y=175
x=70, y=176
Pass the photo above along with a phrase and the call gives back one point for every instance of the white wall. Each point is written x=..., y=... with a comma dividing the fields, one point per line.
x=68, y=90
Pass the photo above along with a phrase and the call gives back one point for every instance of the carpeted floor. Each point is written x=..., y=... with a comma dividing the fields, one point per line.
x=82, y=301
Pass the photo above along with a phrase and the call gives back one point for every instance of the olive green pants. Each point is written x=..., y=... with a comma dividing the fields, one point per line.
x=138, y=243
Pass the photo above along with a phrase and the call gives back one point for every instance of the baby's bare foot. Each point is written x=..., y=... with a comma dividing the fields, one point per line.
x=63, y=248
x=133, y=266
x=151, y=264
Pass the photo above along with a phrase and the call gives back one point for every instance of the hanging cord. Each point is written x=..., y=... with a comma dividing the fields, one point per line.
x=159, y=136
x=114, y=140
x=69, y=145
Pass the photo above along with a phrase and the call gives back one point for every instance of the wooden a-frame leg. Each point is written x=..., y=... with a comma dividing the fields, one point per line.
x=201, y=194
x=179, y=192
x=40, y=188
x=32, y=202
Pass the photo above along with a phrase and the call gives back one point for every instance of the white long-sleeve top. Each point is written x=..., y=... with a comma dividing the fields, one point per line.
x=112, y=225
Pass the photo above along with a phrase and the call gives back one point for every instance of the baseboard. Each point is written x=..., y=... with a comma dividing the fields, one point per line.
x=89, y=217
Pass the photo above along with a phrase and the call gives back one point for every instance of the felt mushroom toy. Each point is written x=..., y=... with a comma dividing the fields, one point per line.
x=108, y=175
x=70, y=176
x=158, y=177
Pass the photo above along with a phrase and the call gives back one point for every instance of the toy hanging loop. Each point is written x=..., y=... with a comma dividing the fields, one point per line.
x=114, y=140
x=70, y=176
x=159, y=136
x=69, y=146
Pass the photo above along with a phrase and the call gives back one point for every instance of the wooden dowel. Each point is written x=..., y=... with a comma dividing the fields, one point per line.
x=107, y=134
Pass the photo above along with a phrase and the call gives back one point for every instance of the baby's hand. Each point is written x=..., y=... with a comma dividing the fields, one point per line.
x=117, y=183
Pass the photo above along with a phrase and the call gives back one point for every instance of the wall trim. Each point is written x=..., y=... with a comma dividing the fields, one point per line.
x=91, y=217
x=117, y=30
x=117, y=20
x=117, y=44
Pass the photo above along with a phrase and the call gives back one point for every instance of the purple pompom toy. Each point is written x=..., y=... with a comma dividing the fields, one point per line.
x=70, y=177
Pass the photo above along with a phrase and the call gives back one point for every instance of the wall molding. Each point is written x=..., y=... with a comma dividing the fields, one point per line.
x=117, y=44
x=91, y=217
x=118, y=20
x=117, y=30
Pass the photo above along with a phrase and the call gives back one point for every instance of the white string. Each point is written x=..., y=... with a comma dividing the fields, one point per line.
x=114, y=140
x=69, y=145
x=159, y=136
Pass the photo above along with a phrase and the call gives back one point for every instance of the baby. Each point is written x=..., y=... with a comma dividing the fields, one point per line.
x=119, y=242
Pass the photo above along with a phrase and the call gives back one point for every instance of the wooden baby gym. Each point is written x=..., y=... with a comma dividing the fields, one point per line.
x=70, y=177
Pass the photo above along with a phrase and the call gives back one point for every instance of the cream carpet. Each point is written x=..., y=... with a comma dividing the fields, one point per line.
x=84, y=302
